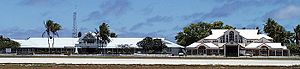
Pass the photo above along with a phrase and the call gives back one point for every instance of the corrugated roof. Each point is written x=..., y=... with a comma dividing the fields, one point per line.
x=216, y=33
x=131, y=42
x=70, y=42
x=43, y=42
x=272, y=45
x=171, y=44
x=208, y=45
x=246, y=33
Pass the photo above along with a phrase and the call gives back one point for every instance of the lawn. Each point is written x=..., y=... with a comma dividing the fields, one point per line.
x=101, y=66
x=151, y=57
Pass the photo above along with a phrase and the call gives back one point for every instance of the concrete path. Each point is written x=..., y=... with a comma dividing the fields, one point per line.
x=153, y=61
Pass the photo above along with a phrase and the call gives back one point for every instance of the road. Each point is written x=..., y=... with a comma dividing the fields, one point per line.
x=153, y=61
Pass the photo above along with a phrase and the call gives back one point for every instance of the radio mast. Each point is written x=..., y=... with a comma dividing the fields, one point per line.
x=75, y=31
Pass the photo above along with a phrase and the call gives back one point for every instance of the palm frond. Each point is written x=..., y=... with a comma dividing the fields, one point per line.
x=43, y=33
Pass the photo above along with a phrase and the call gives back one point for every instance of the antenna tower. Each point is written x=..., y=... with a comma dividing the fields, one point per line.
x=75, y=31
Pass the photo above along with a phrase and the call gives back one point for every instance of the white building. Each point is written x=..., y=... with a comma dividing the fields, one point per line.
x=236, y=42
x=87, y=45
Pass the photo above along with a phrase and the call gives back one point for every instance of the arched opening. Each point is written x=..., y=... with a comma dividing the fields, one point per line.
x=201, y=50
x=264, y=51
x=231, y=51
x=231, y=36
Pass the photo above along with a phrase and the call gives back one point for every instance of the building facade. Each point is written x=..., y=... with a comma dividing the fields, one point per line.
x=237, y=42
x=87, y=44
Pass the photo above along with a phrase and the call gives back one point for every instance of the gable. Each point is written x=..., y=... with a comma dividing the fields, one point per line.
x=246, y=33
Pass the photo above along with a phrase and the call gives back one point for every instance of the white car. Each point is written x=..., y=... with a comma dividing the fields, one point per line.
x=181, y=54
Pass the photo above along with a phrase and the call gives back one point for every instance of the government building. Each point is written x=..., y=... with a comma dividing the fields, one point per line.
x=87, y=44
x=222, y=42
x=237, y=42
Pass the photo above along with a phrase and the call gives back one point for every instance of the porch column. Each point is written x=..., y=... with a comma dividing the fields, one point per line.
x=197, y=51
x=238, y=51
x=268, y=52
x=275, y=52
x=224, y=50
x=281, y=52
x=206, y=51
x=259, y=53
x=289, y=52
x=218, y=51
x=76, y=50
x=192, y=51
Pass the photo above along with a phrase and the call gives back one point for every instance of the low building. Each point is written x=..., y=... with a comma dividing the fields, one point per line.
x=41, y=46
x=87, y=44
x=237, y=42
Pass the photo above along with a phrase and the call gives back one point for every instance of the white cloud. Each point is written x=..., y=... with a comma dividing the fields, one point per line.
x=286, y=12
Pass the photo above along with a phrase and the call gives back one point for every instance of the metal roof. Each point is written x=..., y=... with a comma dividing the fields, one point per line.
x=70, y=42
x=246, y=33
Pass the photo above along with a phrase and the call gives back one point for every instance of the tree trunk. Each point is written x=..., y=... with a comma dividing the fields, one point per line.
x=185, y=51
x=49, y=45
x=102, y=50
x=53, y=42
x=297, y=38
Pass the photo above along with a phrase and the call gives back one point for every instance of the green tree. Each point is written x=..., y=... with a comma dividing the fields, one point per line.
x=197, y=31
x=277, y=32
x=54, y=30
x=8, y=43
x=151, y=45
x=193, y=33
x=259, y=31
x=51, y=30
x=294, y=49
x=228, y=27
x=113, y=35
x=216, y=25
x=297, y=34
x=103, y=35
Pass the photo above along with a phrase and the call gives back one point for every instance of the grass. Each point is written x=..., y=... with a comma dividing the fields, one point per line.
x=135, y=66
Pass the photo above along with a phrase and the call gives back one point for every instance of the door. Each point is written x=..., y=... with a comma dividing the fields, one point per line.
x=232, y=51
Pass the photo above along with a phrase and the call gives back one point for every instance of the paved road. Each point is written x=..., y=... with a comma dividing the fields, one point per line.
x=153, y=61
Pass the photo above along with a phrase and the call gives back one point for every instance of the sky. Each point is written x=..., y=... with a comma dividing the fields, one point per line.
x=140, y=18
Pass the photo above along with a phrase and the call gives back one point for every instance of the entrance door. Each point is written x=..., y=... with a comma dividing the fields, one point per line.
x=232, y=51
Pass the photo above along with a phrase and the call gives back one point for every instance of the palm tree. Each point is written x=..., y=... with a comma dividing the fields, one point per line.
x=274, y=30
x=48, y=25
x=51, y=31
x=297, y=34
x=103, y=35
x=56, y=27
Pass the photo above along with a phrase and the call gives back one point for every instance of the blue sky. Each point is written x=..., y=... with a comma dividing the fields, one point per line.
x=141, y=18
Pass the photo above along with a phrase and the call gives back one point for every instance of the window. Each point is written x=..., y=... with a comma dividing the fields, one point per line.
x=236, y=39
x=226, y=38
x=241, y=39
x=222, y=39
x=249, y=41
x=215, y=41
x=231, y=36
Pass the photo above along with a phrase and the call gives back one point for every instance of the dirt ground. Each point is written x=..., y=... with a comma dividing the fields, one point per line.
x=68, y=66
